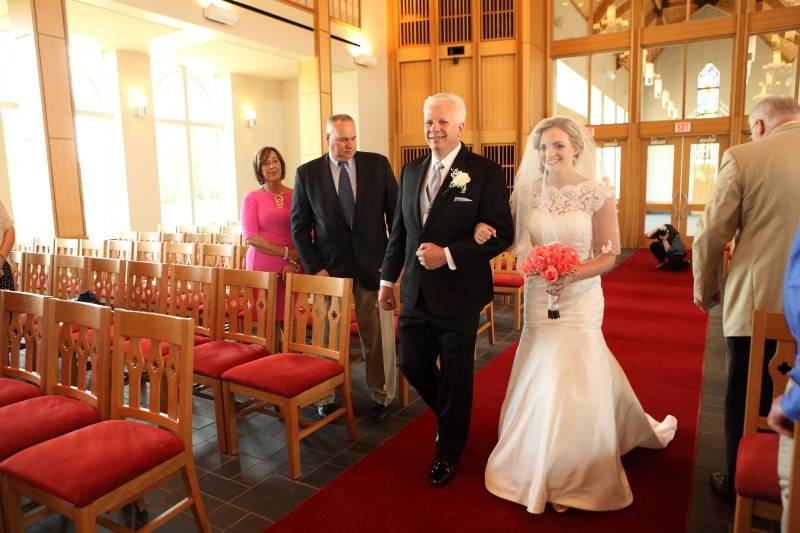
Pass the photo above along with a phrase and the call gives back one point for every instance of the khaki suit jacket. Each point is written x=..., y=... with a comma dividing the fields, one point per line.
x=755, y=201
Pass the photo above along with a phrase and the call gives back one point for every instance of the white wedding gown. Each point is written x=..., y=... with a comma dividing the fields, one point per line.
x=569, y=412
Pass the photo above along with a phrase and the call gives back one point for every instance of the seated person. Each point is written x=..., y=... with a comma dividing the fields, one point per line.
x=668, y=248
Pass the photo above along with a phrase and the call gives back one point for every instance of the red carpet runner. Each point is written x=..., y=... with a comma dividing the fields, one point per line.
x=658, y=337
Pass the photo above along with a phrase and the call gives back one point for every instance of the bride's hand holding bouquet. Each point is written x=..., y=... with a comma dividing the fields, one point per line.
x=556, y=264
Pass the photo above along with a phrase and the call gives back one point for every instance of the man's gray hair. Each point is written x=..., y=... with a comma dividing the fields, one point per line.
x=457, y=101
x=772, y=109
x=339, y=117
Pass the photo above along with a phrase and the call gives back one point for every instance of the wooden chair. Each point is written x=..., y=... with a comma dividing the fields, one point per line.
x=43, y=245
x=22, y=336
x=149, y=251
x=106, y=279
x=67, y=246
x=179, y=253
x=76, y=392
x=171, y=237
x=207, y=229
x=757, y=489
x=311, y=367
x=149, y=236
x=192, y=293
x=218, y=255
x=199, y=239
x=231, y=228
x=244, y=323
x=22, y=246
x=146, y=441
x=93, y=248
x=488, y=325
x=16, y=259
x=228, y=238
x=119, y=249
x=37, y=273
x=186, y=229
x=145, y=287
x=127, y=236
x=69, y=276
x=508, y=281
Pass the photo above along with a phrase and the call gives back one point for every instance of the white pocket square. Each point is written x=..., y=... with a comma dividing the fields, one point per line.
x=462, y=199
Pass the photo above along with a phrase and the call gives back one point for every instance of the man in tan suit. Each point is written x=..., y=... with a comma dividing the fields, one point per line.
x=756, y=202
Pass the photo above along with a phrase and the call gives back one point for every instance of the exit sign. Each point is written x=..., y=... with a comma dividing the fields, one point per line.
x=683, y=127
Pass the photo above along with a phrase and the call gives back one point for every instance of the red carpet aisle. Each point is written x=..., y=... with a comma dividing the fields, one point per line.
x=658, y=337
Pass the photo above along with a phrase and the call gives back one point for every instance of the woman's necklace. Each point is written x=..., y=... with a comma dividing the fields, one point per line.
x=277, y=196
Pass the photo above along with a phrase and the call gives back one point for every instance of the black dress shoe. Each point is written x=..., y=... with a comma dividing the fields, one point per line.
x=720, y=486
x=379, y=412
x=325, y=410
x=441, y=473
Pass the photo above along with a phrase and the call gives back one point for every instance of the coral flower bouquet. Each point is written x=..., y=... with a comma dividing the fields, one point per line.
x=553, y=263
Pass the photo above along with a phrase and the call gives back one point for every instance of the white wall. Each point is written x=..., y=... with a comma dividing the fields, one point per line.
x=291, y=129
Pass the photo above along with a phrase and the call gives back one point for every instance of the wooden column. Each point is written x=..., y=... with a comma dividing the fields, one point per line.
x=632, y=205
x=45, y=22
x=322, y=53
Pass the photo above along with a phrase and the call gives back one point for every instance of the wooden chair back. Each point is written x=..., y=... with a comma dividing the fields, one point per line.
x=127, y=236
x=193, y=294
x=199, y=238
x=79, y=352
x=171, y=237
x=43, y=245
x=162, y=228
x=23, y=246
x=167, y=401
x=317, y=317
x=106, y=279
x=69, y=276
x=149, y=251
x=22, y=319
x=145, y=286
x=149, y=236
x=179, y=253
x=767, y=326
x=207, y=229
x=186, y=229
x=15, y=260
x=119, y=249
x=67, y=246
x=218, y=255
x=93, y=248
x=505, y=263
x=37, y=273
x=228, y=238
x=246, y=307
x=231, y=228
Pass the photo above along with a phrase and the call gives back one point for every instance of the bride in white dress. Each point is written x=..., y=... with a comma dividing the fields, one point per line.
x=569, y=412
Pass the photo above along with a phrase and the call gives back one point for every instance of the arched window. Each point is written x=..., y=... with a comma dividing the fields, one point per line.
x=707, y=92
x=195, y=145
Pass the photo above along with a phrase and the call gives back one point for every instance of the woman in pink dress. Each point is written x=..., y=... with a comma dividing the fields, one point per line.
x=266, y=221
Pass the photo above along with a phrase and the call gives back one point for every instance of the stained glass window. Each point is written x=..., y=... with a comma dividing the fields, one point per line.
x=707, y=92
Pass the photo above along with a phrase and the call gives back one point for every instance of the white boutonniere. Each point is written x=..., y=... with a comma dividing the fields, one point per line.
x=460, y=180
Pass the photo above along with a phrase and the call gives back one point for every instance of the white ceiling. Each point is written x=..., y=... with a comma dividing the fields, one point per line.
x=113, y=30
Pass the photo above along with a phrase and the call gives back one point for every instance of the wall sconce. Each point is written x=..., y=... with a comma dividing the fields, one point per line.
x=658, y=85
x=250, y=118
x=649, y=73
x=139, y=102
x=365, y=60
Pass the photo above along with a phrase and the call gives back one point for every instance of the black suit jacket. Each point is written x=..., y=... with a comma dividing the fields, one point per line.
x=319, y=230
x=450, y=223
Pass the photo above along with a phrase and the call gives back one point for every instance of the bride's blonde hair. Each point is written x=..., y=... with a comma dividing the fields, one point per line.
x=565, y=124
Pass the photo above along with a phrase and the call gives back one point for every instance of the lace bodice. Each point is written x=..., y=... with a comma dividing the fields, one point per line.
x=582, y=216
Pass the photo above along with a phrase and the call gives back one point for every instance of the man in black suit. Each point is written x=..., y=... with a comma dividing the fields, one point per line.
x=343, y=203
x=447, y=279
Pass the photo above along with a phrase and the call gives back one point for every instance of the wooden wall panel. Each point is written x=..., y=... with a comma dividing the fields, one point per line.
x=56, y=87
x=499, y=92
x=415, y=86
x=66, y=187
x=457, y=78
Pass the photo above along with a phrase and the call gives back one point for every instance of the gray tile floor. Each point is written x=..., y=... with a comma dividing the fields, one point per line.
x=248, y=492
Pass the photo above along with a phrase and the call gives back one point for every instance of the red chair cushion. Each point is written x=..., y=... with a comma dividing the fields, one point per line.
x=38, y=419
x=87, y=463
x=508, y=280
x=14, y=390
x=284, y=374
x=757, y=467
x=214, y=358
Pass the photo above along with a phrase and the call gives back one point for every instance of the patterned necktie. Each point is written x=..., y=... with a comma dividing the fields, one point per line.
x=346, y=198
x=434, y=183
